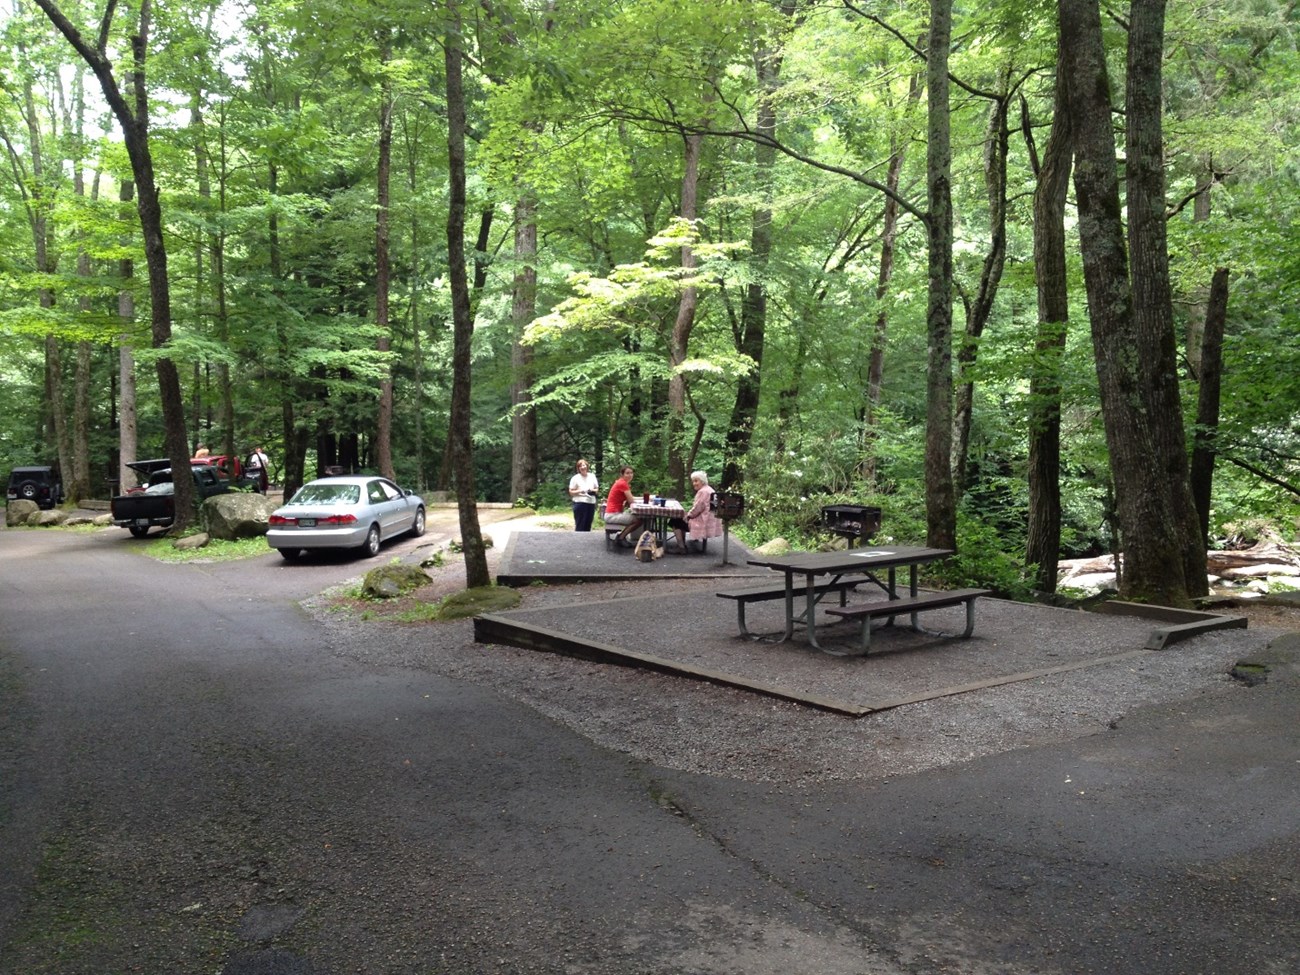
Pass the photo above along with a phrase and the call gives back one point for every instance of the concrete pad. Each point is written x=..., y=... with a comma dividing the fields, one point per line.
x=565, y=558
x=689, y=631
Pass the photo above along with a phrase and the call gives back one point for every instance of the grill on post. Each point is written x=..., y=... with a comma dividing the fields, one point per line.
x=854, y=522
x=729, y=505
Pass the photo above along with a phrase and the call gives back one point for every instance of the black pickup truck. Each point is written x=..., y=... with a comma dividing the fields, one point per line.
x=154, y=505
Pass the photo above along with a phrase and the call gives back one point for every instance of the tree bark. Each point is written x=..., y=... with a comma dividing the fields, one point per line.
x=940, y=493
x=884, y=275
x=685, y=321
x=1207, y=406
x=1043, y=535
x=39, y=207
x=127, y=429
x=383, y=271
x=476, y=570
x=753, y=312
x=523, y=309
x=80, y=486
x=995, y=184
x=1152, y=292
x=1151, y=536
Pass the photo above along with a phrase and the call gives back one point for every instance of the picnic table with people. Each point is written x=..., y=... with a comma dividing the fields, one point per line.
x=627, y=515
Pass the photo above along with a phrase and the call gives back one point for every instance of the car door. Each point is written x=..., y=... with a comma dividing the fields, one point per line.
x=395, y=517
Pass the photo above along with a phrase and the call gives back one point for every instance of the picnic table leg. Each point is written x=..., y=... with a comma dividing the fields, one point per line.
x=970, y=618
x=789, y=606
x=740, y=617
x=911, y=590
x=810, y=612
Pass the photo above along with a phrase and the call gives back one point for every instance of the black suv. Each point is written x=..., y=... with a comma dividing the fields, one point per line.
x=39, y=484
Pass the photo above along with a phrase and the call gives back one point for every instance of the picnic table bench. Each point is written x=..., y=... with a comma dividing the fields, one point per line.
x=744, y=597
x=910, y=605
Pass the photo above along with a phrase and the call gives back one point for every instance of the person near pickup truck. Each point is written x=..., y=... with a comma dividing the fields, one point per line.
x=583, y=488
x=257, y=466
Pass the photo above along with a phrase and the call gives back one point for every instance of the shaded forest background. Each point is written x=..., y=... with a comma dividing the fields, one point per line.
x=822, y=250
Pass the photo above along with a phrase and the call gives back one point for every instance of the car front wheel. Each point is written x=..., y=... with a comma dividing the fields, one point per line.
x=417, y=528
x=371, y=546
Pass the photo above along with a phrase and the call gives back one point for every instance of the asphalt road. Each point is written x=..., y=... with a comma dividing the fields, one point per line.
x=193, y=781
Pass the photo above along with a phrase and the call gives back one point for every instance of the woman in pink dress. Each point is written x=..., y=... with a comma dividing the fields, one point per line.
x=701, y=520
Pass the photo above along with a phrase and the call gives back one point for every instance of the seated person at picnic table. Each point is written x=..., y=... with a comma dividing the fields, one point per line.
x=618, y=507
x=701, y=521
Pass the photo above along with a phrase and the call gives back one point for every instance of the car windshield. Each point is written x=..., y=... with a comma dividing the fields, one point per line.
x=327, y=494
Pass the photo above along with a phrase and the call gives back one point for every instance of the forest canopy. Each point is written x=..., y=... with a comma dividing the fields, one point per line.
x=997, y=269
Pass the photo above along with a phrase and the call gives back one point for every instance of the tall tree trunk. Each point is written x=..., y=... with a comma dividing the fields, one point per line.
x=884, y=275
x=1152, y=539
x=476, y=570
x=80, y=486
x=940, y=493
x=417, y=352
x=383, y=274
x=523, y=309
x=978, y=315
x=753, y=313
x=296, y=436
x=1043, y=535
x=212, y=244
x=1207, y=406
x=1152, y=293
x=127, y=429
x=134, y=121
x=39, y=207
x=684, y=323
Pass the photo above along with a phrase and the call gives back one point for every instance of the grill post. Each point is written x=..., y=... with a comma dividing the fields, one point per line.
x=728, y=505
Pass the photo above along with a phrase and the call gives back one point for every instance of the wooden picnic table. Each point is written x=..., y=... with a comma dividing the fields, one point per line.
x=802, y=571
x=655, y=517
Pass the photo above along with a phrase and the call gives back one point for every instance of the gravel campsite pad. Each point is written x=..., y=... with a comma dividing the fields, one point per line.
x=701, y=727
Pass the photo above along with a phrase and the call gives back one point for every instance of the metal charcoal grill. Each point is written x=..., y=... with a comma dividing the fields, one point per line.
x=854, y=522
x=729, y=506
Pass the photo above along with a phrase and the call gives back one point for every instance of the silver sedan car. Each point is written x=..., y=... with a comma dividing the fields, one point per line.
x=344, y=512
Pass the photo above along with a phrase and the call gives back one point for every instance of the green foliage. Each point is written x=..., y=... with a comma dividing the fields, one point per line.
x=163, y=549
x=265, y=144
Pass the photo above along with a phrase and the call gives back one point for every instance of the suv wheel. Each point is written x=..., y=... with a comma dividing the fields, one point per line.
x=27, y=490
x=139, y=531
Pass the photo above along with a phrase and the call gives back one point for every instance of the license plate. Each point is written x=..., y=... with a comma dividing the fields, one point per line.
x=142, y=522
x=307, y=522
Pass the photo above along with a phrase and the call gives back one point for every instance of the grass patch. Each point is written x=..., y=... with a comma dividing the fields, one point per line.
x=216, y=550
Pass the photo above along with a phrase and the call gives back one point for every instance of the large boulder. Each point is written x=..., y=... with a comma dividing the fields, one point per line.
x=391, y=581
x=47, y=519
x=239, y=515
x=18, y=511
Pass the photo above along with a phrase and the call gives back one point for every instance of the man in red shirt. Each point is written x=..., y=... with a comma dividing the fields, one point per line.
x=618, y=505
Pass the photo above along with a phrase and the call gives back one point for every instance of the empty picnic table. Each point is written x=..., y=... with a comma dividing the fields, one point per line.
x=807, y=572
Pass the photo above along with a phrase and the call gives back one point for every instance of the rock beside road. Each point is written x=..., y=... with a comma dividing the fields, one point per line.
x=17, y=512
x=231, y=517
